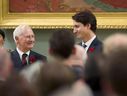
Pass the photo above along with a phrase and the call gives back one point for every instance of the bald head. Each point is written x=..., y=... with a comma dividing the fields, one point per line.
x=115, y=42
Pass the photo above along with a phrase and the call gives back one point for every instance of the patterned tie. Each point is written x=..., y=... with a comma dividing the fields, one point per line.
x=24, y=61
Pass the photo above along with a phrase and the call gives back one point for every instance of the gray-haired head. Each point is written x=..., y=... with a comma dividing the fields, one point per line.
x=20, y=29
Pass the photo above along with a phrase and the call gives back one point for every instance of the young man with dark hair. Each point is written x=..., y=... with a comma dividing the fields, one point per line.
x=85, y=25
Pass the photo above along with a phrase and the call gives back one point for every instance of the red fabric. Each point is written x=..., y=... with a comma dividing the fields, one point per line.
x=33, y=5
x=116, y=3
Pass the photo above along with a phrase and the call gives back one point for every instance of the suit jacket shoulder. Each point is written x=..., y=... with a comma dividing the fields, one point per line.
x=37, y=56
x=33, y=57
x=96, y=46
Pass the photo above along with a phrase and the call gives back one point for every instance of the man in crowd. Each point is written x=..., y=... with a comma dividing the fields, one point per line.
x=5, y=64
x=61, y=44
x=85, y=25
x=62, y=49
x=23, y=55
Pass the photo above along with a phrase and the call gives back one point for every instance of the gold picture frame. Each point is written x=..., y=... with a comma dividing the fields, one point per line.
x=105, y=20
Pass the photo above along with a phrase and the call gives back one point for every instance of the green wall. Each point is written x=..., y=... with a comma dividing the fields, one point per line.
x=42, y=37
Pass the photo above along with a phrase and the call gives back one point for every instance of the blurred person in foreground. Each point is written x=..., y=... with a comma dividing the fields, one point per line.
x=23, y=56
x=62, y=48
x=64, y=51
x=2, y=38
x=53, y=77
x=5, y=64
x=114, y=65
x=16, y=85
x=61, y=45
x=114, y=71
x=115, y=42
x=85, y=25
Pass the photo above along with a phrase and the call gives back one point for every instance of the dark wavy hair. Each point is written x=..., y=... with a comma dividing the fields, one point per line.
x=86, y=17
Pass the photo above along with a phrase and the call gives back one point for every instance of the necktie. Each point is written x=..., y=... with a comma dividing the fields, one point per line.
x=24, y=61
x=84, y=45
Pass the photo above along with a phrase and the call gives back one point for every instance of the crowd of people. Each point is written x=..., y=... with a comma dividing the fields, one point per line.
x=89, y=68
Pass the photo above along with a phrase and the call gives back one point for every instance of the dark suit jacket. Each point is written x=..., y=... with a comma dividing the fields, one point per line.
x=96, y=46
x=33, y=57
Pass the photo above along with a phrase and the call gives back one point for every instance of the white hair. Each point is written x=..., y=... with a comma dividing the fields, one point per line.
x=19, y=30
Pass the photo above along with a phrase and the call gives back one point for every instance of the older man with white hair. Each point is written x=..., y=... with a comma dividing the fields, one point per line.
x=23, y=55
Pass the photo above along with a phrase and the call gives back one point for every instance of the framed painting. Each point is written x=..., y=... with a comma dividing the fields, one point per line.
x=48, y=14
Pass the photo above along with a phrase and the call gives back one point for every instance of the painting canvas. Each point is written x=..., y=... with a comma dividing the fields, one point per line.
x=67, y=5
x=49, y=14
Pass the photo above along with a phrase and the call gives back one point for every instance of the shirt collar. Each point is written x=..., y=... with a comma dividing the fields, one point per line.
x=21, y=53
x=89, y=41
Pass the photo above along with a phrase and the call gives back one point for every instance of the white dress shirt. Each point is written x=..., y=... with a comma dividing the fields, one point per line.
x=88, y=43
x=21, y=53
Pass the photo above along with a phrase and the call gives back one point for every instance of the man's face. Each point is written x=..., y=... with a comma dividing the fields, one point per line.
x=79, y=29
x=26, y=40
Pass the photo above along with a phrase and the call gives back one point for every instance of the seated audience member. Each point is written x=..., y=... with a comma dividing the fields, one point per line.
x=115, y=42
x=31, y=72
x=16, y=85
x=23, y=56
x=62, y=49
x=54, y=77
x=5, y=64
x=61, y=44
x=115, y=73
x=2, y=38
x=114, y=65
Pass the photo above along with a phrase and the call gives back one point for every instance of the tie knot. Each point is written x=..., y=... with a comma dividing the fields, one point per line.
x=24, y=55
x=84, y=45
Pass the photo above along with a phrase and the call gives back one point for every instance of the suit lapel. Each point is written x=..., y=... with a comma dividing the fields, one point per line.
x=17, y=60
x=32, y=57
x=94, y=45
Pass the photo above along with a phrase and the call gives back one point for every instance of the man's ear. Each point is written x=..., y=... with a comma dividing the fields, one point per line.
x=16, y=38
x=88, y=26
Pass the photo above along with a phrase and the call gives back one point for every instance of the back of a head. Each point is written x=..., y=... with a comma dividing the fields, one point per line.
x=20, y=29
x=115, y=71
x=16, y=85
x=86, y=17
x=62, y=43
x=54, y=77
x=115, y=42
x=5, y=63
